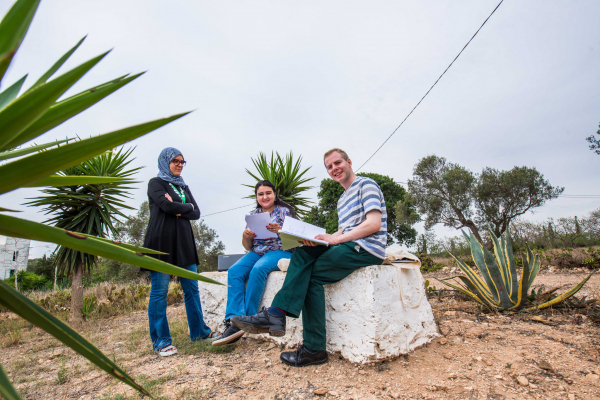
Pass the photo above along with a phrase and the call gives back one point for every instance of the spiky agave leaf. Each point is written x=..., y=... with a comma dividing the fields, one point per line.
x=562, y=297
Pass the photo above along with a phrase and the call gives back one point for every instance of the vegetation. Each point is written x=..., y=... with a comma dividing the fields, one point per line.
x=286, y=175
x=498, y=285
x=325, y=213
x=23, y=118
x=88, y=209
x=450, y=194
x=594, y=142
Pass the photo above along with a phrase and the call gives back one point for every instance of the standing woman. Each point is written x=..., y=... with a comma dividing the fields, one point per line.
x=255, y=266
x=172, y=207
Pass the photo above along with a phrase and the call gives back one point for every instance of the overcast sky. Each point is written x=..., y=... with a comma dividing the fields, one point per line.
x=308, y=76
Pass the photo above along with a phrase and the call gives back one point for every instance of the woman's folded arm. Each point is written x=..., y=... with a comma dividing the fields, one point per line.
x=157, y=193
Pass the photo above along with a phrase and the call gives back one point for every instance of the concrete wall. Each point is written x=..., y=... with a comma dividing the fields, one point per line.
x=366, y=320
x=9, y=248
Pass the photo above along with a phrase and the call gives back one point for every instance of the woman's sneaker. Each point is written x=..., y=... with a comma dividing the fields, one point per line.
x=168, y=350
x=231, y=335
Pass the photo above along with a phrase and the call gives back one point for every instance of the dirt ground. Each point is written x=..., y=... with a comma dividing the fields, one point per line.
x=478, y=356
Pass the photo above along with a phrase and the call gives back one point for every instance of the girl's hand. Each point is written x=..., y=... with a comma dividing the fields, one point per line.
x=273, y=227
x=168, y=197
x=248, y=234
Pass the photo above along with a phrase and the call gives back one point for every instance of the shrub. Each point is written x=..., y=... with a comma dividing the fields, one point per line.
x=29, y=281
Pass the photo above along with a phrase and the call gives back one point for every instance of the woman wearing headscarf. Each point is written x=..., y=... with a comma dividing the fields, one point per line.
x=172, y=207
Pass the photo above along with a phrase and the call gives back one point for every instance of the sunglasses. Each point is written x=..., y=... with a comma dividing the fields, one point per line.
x=177, y=162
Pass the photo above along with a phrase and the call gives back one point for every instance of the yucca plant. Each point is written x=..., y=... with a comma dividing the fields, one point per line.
x=25, y=117
x=498, y=285
x=90, y=209
x=287, y=177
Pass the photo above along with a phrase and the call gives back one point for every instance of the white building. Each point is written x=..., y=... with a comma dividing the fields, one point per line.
x=14, y=254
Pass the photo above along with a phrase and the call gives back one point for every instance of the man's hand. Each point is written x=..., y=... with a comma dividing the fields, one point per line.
x=331, y=239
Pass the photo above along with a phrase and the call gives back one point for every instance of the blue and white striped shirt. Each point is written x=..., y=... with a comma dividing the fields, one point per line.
x=362, y=196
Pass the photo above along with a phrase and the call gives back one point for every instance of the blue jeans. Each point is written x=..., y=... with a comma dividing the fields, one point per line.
x=243, y=300
x=157, y=308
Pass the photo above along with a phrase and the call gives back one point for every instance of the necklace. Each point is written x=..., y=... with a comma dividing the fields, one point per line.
x=181, y=194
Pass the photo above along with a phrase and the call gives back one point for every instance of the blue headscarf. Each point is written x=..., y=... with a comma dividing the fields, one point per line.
x=164, y=172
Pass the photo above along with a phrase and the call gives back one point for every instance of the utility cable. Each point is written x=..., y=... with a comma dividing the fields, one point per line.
x=219, y=212
x=432, y=86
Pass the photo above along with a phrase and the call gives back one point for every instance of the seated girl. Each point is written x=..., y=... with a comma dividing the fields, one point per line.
x=254, y=267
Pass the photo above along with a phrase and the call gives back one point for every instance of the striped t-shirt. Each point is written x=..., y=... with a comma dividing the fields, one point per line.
x=362, y=196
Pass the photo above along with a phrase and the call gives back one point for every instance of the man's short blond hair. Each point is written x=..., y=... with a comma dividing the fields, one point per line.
x=342, y=153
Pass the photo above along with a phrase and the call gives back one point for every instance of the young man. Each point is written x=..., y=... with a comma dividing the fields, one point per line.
x=359, y=242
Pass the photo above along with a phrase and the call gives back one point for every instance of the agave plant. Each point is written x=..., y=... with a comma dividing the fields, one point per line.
x=286, y=176
x=89, y=209
x=498, y=285
x=25, y=117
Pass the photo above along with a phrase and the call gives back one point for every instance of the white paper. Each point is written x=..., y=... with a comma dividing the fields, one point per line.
x=294, y=227
x=258, y=224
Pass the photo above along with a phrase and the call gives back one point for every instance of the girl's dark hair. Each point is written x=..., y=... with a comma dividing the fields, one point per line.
x=278, y=200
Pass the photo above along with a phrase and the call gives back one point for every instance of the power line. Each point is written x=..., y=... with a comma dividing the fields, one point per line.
x=219, y=212
x=432, y=86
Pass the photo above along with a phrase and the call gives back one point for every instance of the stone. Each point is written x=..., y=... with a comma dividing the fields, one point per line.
x=531, y=385
x=320, y=392
x=477, y=358
x=522, y=381
x=571, y=396
x=592, y=377
x=452, y=375
x=366, y=320
x=469, y=388
x=333, y=393
x=500, y=377
x=545, y=365
x=362, y=372
x=561, y=388
x=450, y=313
x=443, y=340
x=597, y=371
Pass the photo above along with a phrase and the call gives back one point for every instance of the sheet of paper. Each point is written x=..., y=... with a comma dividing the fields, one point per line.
x=294, y=230
x=258, y=224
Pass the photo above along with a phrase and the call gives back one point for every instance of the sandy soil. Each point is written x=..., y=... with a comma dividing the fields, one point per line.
x=478, y=356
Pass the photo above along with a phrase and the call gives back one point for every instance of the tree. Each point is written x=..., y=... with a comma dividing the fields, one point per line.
x=594, y=142
x=501, y=196
x=89, y=209
x=450, y=194
x=325, y=213
x=207, y=245
x=133, y=229
x=286, y=176
x=442, y=192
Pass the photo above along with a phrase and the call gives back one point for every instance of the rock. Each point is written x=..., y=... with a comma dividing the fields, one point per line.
x=353, y=305
x=320, y=392
x=571, y=396
x=522, y=381
x=391, y=372
x=545, y=366
x=597, y=371
x=452, y=375
x=561, y=388
x=531, y=385
x=592, y=377
x=458, y=340
x=447, y=356
x=443, y=340
x=266, y=360
x=488, y=363
x=477, y=358
x=333, y=393
x=362, y=372
x=469, y=388
x=450, y=313
x=500, y=377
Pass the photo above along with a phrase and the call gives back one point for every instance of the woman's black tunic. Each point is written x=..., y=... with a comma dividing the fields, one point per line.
x=166, y=232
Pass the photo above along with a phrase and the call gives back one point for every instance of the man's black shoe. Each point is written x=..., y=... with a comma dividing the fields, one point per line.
x=302, y=357
x=263, y=322
x=231, y=335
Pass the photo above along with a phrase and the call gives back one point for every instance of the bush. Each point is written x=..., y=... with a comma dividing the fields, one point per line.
x=428, y=265
x=29, y=281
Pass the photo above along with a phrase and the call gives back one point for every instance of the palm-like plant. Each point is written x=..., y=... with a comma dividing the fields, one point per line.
x=89, y=209
x=498, y=286
x=22, y=119
x=287, y=177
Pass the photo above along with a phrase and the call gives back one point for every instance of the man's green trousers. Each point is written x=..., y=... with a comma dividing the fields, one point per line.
x=302, y=291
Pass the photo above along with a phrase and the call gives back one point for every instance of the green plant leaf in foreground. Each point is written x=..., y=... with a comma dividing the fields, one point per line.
x=6, y=388
x=69, y=107
x=2, y=209
x=58, y=180
x=43, y=164
x=5, y=155
x=28, y=310
x=16, y=227
x=11, y=93
x=13, y=28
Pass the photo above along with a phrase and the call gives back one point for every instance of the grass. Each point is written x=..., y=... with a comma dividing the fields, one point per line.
x=181, y=339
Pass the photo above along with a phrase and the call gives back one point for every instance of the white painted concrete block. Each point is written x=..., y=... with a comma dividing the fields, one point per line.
x=366, y=321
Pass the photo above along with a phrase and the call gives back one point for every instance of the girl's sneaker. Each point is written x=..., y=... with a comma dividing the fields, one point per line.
x=231, y=335
x=168, y=350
